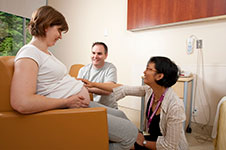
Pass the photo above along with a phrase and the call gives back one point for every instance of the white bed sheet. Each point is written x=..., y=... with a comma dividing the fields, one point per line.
x=215, y=124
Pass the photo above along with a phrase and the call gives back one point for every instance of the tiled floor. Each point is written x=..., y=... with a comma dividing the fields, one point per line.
x=199, y=142
x=198, y=139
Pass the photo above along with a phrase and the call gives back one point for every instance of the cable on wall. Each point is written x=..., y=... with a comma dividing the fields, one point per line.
x=199, y=88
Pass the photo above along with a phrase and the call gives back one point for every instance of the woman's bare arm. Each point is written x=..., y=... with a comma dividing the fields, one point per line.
x=23, y=91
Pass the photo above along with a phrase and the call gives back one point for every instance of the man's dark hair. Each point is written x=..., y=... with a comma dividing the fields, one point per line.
x=103, y=44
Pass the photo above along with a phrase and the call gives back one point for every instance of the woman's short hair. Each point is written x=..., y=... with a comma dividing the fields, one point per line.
x=168, y=68
x=44, y=17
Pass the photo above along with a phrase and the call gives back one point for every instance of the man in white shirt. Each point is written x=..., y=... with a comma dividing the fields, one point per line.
x=100, y=71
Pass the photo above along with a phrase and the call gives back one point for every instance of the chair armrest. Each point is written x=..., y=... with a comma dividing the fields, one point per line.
x=68, y=129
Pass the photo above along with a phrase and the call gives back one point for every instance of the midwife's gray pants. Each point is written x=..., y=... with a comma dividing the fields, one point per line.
x=122, y=132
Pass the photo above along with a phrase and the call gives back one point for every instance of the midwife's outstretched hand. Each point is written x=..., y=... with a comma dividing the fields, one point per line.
x=108, y=86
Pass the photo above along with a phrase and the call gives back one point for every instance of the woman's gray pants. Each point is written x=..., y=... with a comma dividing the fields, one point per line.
x=122, y=132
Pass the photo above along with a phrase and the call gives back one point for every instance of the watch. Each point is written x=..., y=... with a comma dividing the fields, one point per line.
x=144, y=142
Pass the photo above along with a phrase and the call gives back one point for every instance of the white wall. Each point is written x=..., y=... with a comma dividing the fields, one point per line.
x=129, y=51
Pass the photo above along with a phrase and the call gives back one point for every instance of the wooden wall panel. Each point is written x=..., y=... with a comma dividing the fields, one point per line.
x=149, y=13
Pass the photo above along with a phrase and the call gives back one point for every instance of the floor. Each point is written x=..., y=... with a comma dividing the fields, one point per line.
x=198, y=139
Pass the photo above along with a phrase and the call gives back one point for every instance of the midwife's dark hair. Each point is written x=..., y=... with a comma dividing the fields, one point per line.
x=44, y=17
x=168, y=68
x=103, y=44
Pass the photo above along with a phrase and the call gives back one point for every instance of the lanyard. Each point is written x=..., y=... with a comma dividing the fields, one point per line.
x=149, y=110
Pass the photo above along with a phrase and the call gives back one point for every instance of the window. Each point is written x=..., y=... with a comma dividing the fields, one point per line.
x=13, y=33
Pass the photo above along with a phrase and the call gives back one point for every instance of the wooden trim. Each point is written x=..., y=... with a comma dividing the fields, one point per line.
x=148, y=13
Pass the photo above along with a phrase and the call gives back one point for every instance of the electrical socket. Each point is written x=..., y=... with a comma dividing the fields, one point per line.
x=198, y=44
x=195, y=111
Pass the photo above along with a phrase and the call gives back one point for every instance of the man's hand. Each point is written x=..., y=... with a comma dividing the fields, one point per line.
x=87, y=84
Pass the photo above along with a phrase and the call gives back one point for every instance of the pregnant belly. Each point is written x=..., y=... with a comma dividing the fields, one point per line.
x=84, y=92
